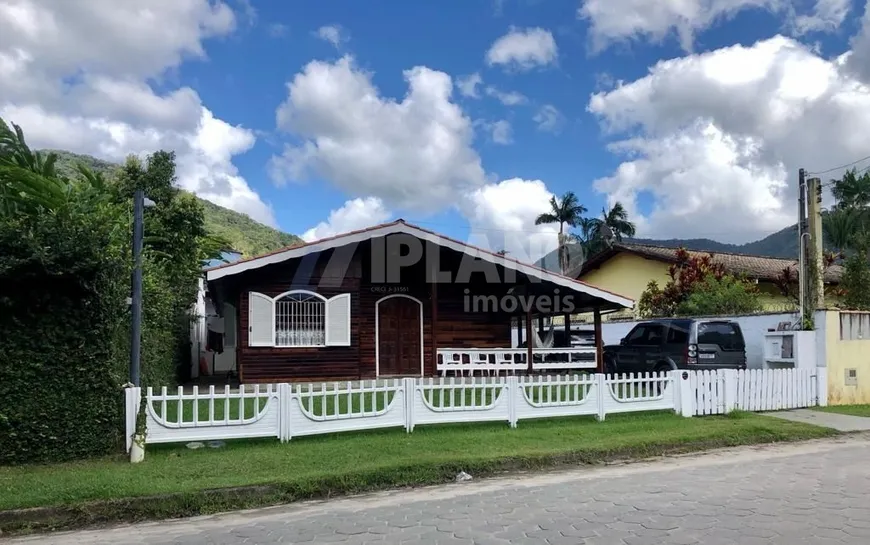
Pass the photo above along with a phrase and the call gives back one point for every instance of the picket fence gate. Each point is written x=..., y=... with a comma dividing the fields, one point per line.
x=285, y=410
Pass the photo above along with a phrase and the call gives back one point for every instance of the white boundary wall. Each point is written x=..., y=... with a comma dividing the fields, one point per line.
x=285, y=411
x=754, y=328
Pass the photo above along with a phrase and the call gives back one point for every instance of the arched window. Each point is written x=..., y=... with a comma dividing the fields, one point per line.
x=300, y=319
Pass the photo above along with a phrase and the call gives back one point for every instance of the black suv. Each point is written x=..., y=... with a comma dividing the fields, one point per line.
x=663, y=345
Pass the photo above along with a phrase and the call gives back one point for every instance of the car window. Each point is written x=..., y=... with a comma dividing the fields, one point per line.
x=636, y=335
x=654, y=334
x=677, y=335
x=646, y=335
x=724, y=334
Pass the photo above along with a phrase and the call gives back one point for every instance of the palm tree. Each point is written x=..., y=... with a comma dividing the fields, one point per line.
x=600, y=233
x=564, y=211
x=841, y=226
x=852, y=191
x=614, y=224
x=28, y=180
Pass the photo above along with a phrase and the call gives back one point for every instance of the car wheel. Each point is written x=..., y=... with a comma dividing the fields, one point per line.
x=662, y=368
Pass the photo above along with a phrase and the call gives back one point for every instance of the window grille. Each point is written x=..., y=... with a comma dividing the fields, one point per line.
x=300, y=320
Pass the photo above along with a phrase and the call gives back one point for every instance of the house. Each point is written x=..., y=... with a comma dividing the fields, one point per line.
x=391, y=300
x=627, y=268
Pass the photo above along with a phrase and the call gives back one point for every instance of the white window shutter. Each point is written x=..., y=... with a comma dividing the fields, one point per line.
x=261, y=320
x=338, y=320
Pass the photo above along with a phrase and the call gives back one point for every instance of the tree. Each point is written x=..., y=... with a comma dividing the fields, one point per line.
x=65, y=263
x=564, y=211
x=702, y=277
x=841, y=226
x=600, y=233
x=727, y=295
x=847, y=228
x=855, y=283
x=28, y=180
x=852, y=190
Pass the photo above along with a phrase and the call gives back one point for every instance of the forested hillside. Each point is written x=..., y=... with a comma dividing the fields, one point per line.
x=244, y=234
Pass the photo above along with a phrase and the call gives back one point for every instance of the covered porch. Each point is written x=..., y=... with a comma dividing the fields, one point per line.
x=539, y=346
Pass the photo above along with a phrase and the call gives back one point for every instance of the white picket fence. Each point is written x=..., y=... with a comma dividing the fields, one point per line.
x=285, y=411
x=722, y=391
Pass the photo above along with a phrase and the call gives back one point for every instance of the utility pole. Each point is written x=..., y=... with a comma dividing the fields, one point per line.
x=816, y=243
x=802, y=230
x=136, y=300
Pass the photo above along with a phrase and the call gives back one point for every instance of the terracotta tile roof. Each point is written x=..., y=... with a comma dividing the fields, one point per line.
x=753, y=266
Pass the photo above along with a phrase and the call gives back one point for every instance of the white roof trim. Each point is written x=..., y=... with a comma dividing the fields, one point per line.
x=343, y=240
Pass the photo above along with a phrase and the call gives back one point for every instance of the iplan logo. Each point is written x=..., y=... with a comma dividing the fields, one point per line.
x=541, y=304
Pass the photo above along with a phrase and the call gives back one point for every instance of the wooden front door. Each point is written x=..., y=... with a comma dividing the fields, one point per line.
x=399, y=326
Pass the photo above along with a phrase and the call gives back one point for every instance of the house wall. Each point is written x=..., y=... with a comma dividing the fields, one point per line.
x=455, y=326
x=843, y=354
x=629, y=274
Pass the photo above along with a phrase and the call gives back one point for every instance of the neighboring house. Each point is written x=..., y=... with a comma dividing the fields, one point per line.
x=627, y=268
x=383, y=301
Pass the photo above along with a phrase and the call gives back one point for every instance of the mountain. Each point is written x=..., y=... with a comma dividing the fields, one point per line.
x=245, y=235
x=782, y=243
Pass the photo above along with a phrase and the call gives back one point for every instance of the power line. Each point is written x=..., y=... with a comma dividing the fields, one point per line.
x=839, y=167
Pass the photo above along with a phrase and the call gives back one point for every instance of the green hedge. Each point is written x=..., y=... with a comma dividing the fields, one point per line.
x=62, y=322
x=65, y=269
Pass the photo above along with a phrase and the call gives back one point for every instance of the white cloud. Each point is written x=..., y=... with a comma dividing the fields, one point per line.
x=508, y=98
x=75, y=76
x=502, y=133
x=278, y=30
x=502, y=217
x=523, y=49
x=621, y=20
x=333, y=34
x=549, y=119
x=414, y=154
x=467, y=85
x=826, y=16
x=717, y=138
x=355, y=214
x=858, y=59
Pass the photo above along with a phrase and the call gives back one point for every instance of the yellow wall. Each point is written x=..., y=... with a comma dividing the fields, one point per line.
x=628, y=274
x=842, y=355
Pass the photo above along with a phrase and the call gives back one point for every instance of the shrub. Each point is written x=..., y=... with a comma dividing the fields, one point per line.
x=62, y=318
x=698, y=286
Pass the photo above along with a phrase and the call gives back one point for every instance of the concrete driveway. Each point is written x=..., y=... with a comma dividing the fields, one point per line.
x=811, y=493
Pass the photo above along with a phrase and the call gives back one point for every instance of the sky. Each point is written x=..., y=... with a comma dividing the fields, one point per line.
x=464, y=117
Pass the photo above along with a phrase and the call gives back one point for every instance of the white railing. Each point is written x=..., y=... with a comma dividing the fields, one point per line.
x=509, y=361
x=285, y=411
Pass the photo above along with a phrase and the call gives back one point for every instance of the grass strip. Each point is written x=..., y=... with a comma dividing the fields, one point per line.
x=177, y=482
x=851, y=410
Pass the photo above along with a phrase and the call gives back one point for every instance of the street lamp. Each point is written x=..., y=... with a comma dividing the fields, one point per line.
x=139, y=204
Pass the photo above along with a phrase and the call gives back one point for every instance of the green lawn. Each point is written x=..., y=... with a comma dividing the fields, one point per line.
x=854, y=410
x=344, y=463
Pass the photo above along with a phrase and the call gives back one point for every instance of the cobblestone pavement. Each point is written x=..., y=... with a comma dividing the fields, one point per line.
x=813, y=493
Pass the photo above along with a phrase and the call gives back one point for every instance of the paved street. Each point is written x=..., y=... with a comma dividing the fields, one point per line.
x=814, y=493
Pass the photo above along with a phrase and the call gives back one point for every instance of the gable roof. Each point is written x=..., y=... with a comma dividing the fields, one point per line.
x=753, y=266
x=400, y=226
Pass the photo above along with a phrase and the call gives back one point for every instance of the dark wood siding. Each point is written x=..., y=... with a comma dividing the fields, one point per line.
x=457, y=326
